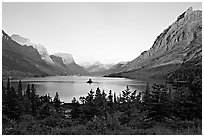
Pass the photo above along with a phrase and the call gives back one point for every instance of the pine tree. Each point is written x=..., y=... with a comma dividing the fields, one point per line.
x=82, y=99
x=45, y=105
x=98, y=95
x=20, y=94
x=114, y=98
x=75, y=108
x=33, y=99
x=13, y=109
x=126, y=95
x=158, y=105
x=8, y=85
x=57, y=103
x=146, y=96
x=104, y=95
x=20, y=98
x=4, y=99
x=100, y=102
x=89, y=110
x=110, y=99
x=28, y=91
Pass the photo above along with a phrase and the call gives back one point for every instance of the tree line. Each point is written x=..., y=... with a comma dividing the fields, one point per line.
x=101, y=113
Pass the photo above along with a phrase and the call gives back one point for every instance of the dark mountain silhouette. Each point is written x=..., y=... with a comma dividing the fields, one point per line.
x=180, y=43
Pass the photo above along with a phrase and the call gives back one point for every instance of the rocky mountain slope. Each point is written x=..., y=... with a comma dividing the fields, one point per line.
x=18, y=60
x=70, y=64
x=57, y=69
x=179, y=43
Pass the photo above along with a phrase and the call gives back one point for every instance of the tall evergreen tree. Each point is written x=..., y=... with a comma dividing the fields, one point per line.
x=158, y=108
x=57, y=103
x=75, y=108
x=4, y=99
x=100, y=103
x=28, y=91
x=13, y=109
x=126, y=95
x=89, y=108
x=20, y=94
x=146, y=96
x=33, y=99
x=8, y=85
x=114, y=98
x=110, y=98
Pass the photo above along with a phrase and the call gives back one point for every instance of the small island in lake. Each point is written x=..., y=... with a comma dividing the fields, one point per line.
x=89, y=81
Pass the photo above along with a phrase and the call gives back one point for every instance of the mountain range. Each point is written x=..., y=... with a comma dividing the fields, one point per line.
x=179, y=44
x=20, y=57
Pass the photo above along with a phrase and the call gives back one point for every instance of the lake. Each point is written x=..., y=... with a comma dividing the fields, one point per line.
x=76, y=86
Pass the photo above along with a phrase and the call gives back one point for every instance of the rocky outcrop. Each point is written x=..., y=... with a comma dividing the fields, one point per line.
x=21, y=40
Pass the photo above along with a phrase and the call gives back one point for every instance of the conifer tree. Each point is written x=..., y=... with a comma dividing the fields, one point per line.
x=126, y=95
x=100, y=102
x=8, y=85
x=45, y=105
x=4, y=99
x=90, y=97
x=28, y=91
x=104, y=96
x=146, y=96
x=13, y=109
x=82, y=99
x=20, y=94
x=33, y=99
x=158, y=108
x=110, y=98
x=115, y=98
x=75, y=108
x=98, y=95
x=57, y=102
x=89, y=109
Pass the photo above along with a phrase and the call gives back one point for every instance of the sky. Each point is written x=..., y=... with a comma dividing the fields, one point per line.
x=107, y=32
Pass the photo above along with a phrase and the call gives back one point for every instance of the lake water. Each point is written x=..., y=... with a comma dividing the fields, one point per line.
x=76, y=86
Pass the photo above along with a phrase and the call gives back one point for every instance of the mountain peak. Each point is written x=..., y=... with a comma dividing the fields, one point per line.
x=5, y=36
x=189, y=11
x=67, y=58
